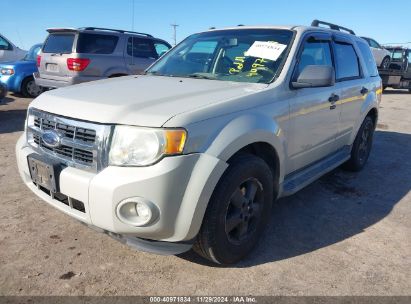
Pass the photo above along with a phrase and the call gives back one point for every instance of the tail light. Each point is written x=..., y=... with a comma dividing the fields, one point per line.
x=38, y=60
x=77, y=64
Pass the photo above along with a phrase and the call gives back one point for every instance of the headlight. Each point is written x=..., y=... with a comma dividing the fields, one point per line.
x=7, y=71
x=134, y=146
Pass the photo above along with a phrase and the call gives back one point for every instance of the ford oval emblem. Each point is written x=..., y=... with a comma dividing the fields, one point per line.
x=51, y=139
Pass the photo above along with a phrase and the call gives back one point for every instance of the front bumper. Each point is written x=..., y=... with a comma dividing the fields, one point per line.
x=3, y=91
x=48, y=81
x=11, y=82
x=179, y=186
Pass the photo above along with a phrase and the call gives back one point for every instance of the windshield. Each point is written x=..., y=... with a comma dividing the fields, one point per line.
x=246, y=55
x=33, y=52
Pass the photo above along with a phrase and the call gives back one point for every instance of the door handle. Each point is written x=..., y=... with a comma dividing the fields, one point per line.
x=334, y=98
x=364, y=91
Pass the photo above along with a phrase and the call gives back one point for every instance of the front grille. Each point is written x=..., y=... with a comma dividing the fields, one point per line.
x=81, y=134
x=82, y=144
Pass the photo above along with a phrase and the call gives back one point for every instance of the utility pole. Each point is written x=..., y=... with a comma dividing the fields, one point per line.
x=174, y=25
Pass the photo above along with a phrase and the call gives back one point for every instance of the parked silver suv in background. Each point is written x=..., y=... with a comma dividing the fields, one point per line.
x=71, y=56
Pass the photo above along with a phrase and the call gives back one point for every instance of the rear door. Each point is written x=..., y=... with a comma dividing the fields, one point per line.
x=140, y=54
x=56, y=50
x=353, y=85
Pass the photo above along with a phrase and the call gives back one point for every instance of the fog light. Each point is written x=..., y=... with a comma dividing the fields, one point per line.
x=136, y=211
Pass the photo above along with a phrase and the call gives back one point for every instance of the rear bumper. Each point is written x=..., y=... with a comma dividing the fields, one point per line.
x=54, y=82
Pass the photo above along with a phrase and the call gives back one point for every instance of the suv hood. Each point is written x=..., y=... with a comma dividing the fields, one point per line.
x=139, y=100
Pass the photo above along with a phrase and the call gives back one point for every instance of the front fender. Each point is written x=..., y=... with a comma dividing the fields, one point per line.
x=245, y=130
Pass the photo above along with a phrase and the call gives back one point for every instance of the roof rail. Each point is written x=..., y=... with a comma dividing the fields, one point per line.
x=112, y=30
x=332, y=26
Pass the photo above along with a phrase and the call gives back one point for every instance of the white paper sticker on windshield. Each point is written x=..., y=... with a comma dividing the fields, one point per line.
x=266, y=49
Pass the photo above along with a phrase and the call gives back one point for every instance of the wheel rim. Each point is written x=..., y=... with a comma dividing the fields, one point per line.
x=244, y=211
x=33, y=89
x=385, y=63
x=365, y=143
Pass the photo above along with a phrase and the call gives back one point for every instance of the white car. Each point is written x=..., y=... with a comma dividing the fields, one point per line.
x=10, y=52
x=381, y=55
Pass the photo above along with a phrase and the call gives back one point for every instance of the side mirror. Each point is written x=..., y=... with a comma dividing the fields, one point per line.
x=315, y=76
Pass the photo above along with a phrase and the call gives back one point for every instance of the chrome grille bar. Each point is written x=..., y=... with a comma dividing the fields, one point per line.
x=83, y=144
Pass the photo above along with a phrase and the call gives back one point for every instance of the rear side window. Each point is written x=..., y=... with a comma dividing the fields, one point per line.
x=96, y=44
x=59, y=43
x=139, y=47
x=315, y=53
x=347, y=61
x=368, y=59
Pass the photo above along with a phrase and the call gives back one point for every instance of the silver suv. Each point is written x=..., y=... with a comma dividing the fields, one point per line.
x=71, y=56
x=194, y=152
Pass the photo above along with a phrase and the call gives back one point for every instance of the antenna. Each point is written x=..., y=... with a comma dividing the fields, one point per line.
x=174, y=25
x=132, y=14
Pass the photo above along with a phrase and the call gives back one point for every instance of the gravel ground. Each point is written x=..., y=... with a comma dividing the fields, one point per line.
x=346, y=234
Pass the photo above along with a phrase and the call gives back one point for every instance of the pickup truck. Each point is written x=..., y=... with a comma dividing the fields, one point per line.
x=193, y=153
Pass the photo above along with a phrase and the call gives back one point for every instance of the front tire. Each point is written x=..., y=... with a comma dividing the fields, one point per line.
x=29, y=88
x=362, y=146
x=237, y=212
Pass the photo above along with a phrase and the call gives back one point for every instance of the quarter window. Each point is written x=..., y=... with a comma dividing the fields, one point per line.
x=368, y=58
x=347, y=61
x=96, y=43
x=139, y=47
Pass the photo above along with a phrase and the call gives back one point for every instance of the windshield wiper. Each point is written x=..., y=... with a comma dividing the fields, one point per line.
x=200, y=76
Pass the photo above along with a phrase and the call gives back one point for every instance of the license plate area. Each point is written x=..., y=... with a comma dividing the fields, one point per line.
x=52, y=67
x=44, y=173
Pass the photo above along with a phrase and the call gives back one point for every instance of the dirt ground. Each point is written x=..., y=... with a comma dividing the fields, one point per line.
x=346, y=234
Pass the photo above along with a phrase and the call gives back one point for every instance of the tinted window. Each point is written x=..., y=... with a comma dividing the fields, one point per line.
x=374, y=44
x=96, y=44
x=347, y=61
x=33, y=52
x=161, y=48
x=4, y=45
x=139, y=47
x=59, y=43
x=315, y=53
x=368, y=58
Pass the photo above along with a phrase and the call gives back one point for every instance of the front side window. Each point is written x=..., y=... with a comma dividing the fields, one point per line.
x=346, y=61
x=315, y=52
x=246, y=55
x=140, y=47
x=4, y=45
x=59, y=43
x=368, y=58
x=96, y=43
x=161, y=48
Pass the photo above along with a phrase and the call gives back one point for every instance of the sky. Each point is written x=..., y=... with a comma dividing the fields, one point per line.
x=24, y=22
